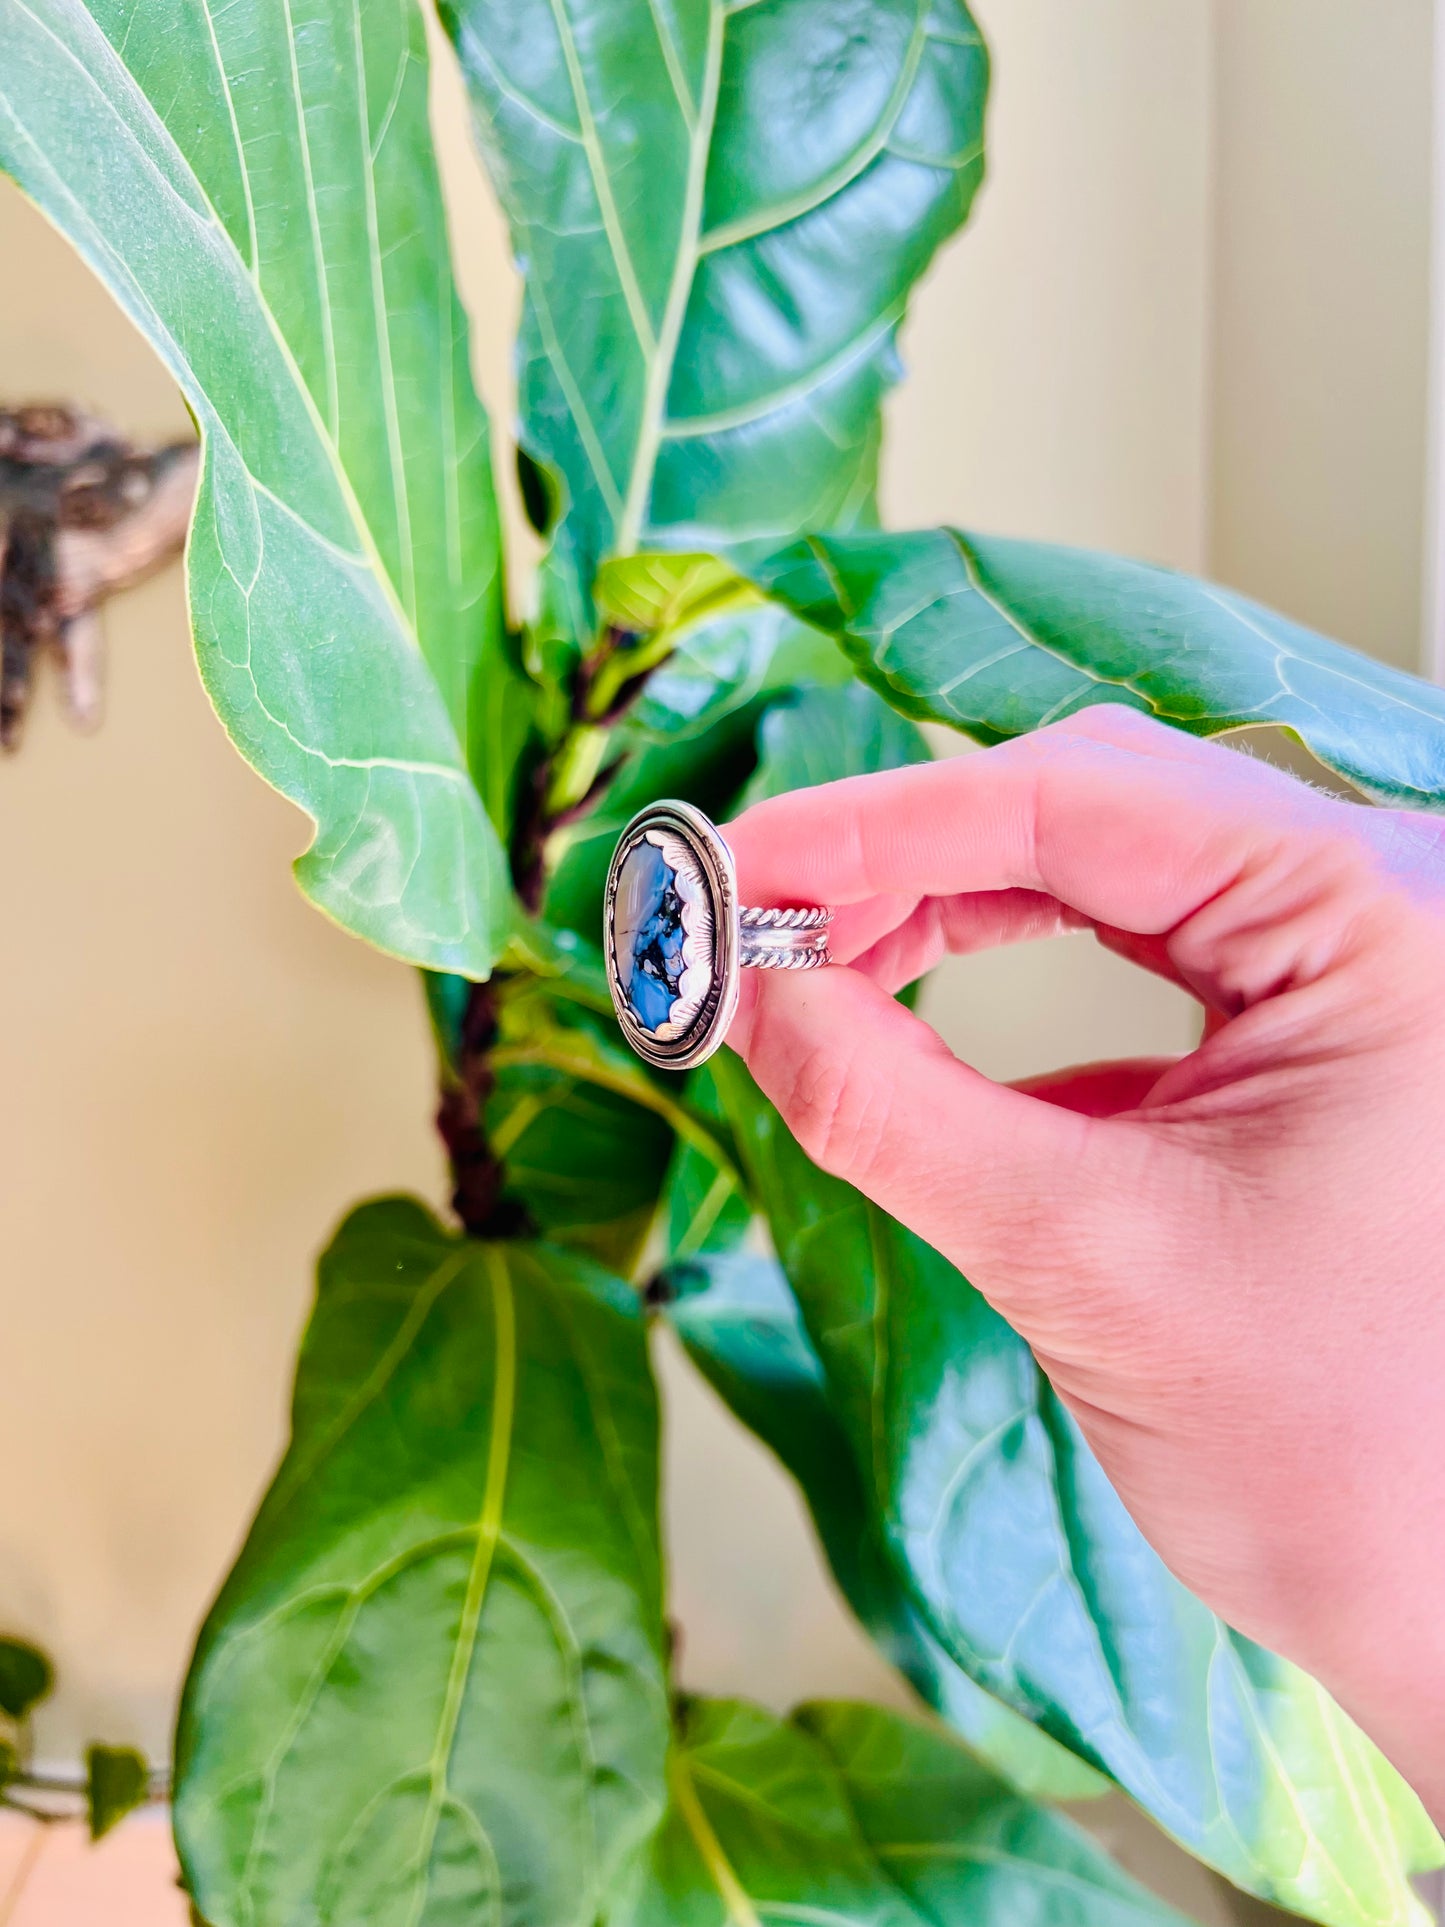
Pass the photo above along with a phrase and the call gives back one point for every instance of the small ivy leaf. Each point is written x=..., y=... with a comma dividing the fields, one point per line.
x=117, y=1781
x=26, y=1677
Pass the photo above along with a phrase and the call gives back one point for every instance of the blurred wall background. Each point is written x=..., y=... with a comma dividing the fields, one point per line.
x=1190, y=322
x=1320, y=312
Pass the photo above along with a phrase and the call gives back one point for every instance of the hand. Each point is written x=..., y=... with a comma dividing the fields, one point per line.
x=1231, y=1266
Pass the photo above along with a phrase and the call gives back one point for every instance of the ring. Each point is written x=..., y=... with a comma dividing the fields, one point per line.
x=676, y=937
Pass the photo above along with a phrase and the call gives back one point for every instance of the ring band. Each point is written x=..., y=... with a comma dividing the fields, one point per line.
x=783, y=939
x=676, y=938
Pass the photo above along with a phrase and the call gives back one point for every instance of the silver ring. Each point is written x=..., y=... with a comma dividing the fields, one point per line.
x=676, y=937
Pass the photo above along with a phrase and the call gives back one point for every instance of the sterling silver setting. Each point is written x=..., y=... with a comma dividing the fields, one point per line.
x=675, y=936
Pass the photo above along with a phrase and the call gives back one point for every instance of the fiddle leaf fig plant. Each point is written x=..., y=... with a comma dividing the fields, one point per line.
x=438, y=1685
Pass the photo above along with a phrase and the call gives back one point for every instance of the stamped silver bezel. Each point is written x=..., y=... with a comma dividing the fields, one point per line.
x=715, y=860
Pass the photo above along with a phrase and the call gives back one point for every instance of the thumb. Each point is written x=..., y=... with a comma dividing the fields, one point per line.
x=1015, y=1191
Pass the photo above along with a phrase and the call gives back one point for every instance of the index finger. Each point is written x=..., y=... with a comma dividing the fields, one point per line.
x=1125, y=821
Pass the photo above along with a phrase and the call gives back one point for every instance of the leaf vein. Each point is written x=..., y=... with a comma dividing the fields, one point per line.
x=602, y=182
x=382, y=322
x=313, y=215
x=225, y=80
x=855, y=350
x=762, y=221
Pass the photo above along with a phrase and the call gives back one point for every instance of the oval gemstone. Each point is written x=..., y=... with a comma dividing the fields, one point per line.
x=648, y=934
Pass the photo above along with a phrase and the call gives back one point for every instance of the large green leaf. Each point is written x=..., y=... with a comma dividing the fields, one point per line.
x=586, y=1163
x=817, y=735
x=741, y=1327
x=432, y=1691
x=1032, y=1576
x=706, y=1212
x=860, y=1818
x=584, y=1130
x=722, y=665
x=999, y=637
x=720, y=211
x=255, y=185
x=717, y=642
x=959, y=1844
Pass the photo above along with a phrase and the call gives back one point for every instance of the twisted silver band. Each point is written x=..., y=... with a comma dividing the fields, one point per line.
x=783, y=939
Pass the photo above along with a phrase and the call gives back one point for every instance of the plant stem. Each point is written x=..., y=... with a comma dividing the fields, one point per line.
x=564, y=785
x=574, y=775
x=73, y=1786
x=478, y=1176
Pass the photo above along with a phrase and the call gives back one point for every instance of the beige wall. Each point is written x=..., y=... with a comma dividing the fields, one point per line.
x=199, y=1074
x=1059, y=353
x=1321, y=311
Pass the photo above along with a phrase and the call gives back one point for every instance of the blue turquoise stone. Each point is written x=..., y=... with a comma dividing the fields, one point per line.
x=647, y=934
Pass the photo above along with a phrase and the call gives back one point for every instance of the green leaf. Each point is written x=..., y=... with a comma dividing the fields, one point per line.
x=1031, y=1575
x=725, y=663
x=712, y=295
x=665, y=595
x=731, y=1307
x=584, y=1129
x=741, y=1327
x=655, y=602
x=818, y=735
x=999, y=637
x=26, y=1677
x=255, y=185
x=724, y=651
x=861, y=1818
x=433, y=1688
x=9, y=1763
x=117, y=1781
x=572, y=968
x=585, y=1157
x=586, y=1164
x=960, y=1844
x=705, y=1209
x=535, y=1031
